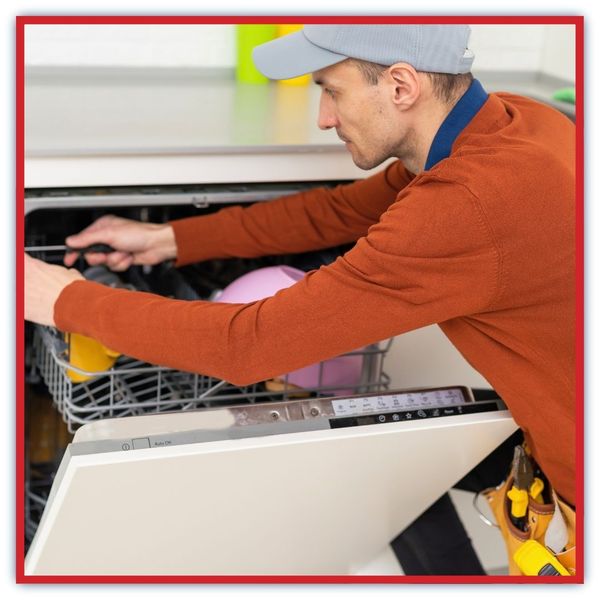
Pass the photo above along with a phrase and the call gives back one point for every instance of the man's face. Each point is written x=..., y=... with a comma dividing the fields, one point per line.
x=361, y=113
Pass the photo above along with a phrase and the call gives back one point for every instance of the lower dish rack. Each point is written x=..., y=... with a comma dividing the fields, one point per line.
x=132, y=387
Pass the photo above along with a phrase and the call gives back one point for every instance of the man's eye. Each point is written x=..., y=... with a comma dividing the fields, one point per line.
x=331, y=93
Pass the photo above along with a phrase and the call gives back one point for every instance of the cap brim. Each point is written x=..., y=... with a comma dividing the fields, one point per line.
x=291, y=56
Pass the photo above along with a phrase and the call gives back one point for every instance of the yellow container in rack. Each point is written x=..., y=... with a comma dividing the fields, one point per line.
x=303, y=79
x=88, y=355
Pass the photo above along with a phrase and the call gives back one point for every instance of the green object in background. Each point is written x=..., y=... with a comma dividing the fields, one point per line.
x=247, y=37
x=566, y=94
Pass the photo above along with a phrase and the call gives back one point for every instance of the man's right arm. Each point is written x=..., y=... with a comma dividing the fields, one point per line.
x=311, y=220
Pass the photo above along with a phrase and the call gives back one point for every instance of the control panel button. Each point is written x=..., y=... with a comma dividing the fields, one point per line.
x=140, y=443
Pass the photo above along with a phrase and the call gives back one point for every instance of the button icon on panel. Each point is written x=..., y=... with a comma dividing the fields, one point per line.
x=139, y=443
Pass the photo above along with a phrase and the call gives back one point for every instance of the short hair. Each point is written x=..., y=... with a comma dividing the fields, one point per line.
x=446, y=87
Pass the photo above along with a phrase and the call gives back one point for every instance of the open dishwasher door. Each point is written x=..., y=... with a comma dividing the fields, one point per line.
x=315, y=486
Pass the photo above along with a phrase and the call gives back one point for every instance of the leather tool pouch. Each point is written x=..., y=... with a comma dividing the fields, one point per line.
x=538, y=519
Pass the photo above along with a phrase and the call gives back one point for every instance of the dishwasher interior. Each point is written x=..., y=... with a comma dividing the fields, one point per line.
x=60, y=397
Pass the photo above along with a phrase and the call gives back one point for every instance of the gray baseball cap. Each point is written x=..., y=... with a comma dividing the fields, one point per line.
x=432, y=48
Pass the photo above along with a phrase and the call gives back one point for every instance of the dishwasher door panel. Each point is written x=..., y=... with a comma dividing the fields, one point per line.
x=310, y=500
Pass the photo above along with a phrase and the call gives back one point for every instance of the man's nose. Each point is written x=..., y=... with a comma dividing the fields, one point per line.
x=327, y=117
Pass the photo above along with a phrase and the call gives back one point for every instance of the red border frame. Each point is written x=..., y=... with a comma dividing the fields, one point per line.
x=21, y=22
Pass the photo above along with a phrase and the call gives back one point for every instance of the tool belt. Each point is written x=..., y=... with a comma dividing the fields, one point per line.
x=550, y=523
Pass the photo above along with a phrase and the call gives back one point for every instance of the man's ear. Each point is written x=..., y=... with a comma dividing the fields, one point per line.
x=405, y=85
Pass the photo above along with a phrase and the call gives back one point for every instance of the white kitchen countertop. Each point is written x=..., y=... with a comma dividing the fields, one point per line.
x=108, y=127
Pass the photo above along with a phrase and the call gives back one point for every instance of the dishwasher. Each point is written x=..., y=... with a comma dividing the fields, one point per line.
x=265, y=478
x=142, y=470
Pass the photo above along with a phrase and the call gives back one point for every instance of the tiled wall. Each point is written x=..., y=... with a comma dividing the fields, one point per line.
x=507, y=47
x=131, y=45
x=547, y=48
x=497, y=47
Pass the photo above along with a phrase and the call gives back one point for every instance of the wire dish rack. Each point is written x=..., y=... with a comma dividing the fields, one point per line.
x=132, y=387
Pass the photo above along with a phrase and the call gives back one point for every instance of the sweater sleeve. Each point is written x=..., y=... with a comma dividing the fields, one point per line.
x=429, y=259
x=311, y=220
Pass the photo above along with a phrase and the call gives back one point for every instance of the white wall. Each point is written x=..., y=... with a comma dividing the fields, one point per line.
x=130, y=45
x=558, y=51
x=497, y=47
x=507, y=47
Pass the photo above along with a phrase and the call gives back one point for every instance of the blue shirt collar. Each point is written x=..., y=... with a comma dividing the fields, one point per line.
x=458, y=118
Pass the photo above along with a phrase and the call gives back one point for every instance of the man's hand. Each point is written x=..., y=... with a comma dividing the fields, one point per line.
x=43, y=285
x=135, y=243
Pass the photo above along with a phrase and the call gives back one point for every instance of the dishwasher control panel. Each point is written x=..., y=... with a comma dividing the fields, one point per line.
x=416, y=414
x=407, y=400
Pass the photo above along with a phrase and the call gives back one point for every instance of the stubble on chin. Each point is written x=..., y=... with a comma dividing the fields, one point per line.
x=366, y=164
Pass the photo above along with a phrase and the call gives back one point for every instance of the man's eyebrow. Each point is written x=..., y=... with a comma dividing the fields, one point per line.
x=322, y=82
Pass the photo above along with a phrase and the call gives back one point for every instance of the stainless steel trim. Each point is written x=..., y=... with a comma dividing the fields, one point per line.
x=197, y=199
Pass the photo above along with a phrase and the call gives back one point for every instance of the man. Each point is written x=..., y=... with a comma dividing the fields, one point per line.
x=472, y=228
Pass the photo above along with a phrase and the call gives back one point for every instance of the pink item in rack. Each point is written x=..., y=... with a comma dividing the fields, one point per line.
x=339, y=376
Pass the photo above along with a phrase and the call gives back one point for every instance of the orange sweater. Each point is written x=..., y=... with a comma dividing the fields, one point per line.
x=482, y=243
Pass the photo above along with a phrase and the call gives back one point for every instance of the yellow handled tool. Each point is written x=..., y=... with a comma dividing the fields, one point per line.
x=522, y=472
x=536, y=489
x=520, y=500
x=533, y=559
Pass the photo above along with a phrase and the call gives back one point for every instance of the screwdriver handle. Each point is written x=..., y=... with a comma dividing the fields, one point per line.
x=536, y=489
x=98, y=248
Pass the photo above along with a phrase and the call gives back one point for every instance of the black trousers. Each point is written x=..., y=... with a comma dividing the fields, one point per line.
x=436, y=543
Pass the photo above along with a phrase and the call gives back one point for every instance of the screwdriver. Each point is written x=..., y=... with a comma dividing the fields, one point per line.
x=99, y=248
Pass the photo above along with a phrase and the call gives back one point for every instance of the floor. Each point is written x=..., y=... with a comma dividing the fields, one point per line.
x=486, y=540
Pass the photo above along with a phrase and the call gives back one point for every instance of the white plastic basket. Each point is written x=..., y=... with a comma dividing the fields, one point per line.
x=132, y=387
